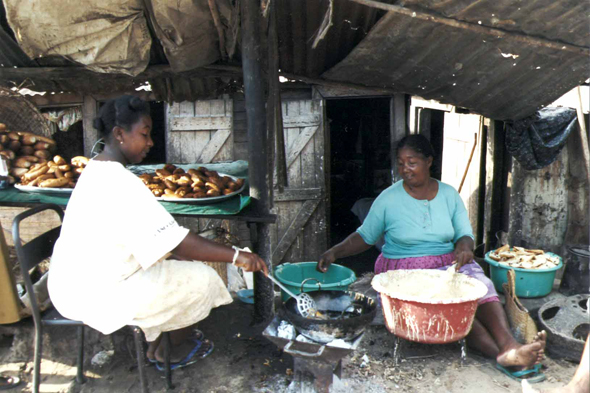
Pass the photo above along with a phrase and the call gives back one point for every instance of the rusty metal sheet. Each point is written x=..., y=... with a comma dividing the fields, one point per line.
x=565, y=21
x=497, y=77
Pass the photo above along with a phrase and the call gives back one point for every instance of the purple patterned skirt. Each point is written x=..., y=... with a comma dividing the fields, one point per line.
x=438, y=262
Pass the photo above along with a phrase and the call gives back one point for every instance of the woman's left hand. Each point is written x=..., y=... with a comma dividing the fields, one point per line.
x=463, y=252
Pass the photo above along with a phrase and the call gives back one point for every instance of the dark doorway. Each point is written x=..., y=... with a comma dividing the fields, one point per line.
x=360, y=166
x=157, y=154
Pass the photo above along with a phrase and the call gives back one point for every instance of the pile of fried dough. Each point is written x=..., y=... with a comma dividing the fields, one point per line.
x=523, y=258
x=56, y=173
x=174, y=182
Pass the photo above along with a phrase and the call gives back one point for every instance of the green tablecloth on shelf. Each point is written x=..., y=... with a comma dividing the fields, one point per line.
x=229, y=206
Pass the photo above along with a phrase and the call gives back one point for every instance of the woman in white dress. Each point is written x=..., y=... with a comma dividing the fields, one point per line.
x=122, y=259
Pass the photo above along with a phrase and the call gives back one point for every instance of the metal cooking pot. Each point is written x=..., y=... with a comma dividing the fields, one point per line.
x=349, y=314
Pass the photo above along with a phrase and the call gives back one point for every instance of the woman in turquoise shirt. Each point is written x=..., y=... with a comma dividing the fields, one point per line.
x=426, y=226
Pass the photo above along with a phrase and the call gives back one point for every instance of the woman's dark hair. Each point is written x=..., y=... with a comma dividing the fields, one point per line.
x=418, y=143
x=123, y=111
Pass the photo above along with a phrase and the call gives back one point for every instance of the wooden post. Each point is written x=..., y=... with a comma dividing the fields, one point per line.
x=254, y=88
x=397, y=113
x=496, y=190
x=89, y=112
x=275, y=115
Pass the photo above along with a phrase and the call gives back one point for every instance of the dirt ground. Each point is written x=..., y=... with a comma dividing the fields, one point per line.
x=244, y=361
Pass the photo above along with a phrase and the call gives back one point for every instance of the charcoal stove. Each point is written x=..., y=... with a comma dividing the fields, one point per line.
x=314, y=363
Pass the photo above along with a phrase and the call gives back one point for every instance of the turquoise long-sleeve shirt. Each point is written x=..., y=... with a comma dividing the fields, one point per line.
x=413, y=227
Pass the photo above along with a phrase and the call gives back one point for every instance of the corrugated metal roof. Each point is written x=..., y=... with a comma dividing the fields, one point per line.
x=499, y=77
x=299, y=22
x=566, y=21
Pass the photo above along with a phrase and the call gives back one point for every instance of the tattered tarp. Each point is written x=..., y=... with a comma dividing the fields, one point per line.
x=112, y=35
x=104, y=35
x=537, y=140
x=187, y=31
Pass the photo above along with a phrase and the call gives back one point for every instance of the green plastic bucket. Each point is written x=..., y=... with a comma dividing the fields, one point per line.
x=529, y=282
x=292, y=275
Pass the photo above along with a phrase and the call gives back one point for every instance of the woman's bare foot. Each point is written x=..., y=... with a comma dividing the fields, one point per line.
x=524, y=355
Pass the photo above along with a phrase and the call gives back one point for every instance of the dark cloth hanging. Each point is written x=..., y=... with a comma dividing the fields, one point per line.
x=537, y=140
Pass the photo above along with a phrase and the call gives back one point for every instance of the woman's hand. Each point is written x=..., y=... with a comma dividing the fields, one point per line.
x=352, y=245
x=251, y=263
x=325, y=261
x=463, y=251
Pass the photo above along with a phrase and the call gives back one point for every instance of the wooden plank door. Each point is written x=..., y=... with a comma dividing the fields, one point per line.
x=200, y=131
x=300, y=233
x=461, y=132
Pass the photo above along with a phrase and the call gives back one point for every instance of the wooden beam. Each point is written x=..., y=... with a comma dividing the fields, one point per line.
x=397, y=123
x=89, y=112
x=254, y=91
x=69, y=73
x=74, y=99
x=491, y=31
x=315, y=81
x=276, y=142
x=214, y=145
x=200, y=123
x=164, y=71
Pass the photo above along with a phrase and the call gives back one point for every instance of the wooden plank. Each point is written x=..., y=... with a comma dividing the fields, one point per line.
x=291, y=134
x=308, y=169
x=298, y=194
x=200, y=123
x=203, y=108
x=217, y=108
x=89, y=112
x=226, y=153
x=299, y=143
x=459, y=130
x=214, y=145
x=303, y=120
x=294, y=229
x=186, y=109
x=290, y=210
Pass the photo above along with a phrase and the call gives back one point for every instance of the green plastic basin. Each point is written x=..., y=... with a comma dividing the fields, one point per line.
x=529, y=282
x=292, y=275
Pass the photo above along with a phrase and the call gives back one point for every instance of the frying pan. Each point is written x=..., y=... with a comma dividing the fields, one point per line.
x=349, y=314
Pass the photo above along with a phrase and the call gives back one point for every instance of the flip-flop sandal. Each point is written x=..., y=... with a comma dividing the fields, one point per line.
x=195, y=335
x=192, y=357
x=8, y=382
x=532, y=375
